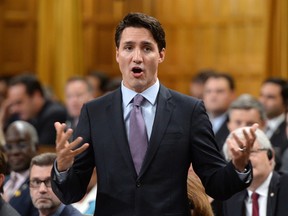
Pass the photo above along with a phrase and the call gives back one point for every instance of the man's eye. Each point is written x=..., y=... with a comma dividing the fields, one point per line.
x=22, y=145
x=36, y=182
x=128, y=48
x=147, y=49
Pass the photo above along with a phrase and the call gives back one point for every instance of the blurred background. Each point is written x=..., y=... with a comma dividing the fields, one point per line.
x=56, y=39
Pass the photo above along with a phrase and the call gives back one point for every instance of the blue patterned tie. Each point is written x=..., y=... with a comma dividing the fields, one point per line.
x=138, y=140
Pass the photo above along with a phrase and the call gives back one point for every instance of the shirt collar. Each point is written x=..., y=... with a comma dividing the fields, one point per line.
x=20, y=175
x=150, y=94
x=262, y=190
x=275, y=122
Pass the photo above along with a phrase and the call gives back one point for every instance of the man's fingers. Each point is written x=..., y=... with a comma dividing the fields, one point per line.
x=73, y=145
x=80, y=149
x=59, y=131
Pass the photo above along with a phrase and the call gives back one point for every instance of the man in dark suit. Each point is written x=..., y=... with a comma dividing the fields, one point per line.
x=272, y=96
x=177, y=127
x=26, y=100
x=21, y=141
x=219, y=92
x=266, y=182
x=42, y=195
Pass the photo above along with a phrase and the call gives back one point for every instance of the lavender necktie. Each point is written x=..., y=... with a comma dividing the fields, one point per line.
x=138, y=140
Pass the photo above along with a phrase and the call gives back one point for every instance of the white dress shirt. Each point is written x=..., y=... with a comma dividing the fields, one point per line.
x=262, y=190
x=148, y=108
x=273, y=124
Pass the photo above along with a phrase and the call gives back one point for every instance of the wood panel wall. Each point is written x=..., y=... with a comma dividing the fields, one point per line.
x=17, y=36
x=226, y=35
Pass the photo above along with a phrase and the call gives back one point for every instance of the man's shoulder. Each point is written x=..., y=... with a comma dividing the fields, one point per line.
x=71, y=211
x=178, y=97
x=52, y=109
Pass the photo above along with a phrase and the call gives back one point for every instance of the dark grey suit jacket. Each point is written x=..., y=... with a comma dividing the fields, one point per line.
x=276, y=204
x=6, y=209
x=280, y=143
x=181, y=134
x=222, y=134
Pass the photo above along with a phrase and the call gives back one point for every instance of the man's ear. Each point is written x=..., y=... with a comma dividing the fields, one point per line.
x=117, y=54
x=162, y=55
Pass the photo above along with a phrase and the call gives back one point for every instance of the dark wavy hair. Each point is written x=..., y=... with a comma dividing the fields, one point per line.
x=140, y=20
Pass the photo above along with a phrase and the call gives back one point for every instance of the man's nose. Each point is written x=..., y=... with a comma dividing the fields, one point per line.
x=137, y=56
x=42, y=187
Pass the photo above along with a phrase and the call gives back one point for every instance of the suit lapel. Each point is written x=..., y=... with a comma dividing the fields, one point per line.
x=118, y=130
x=272, y=194
x=163, y=114
x=240, y=206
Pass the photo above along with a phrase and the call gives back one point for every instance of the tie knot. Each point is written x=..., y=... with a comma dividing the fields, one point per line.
x=255, y=196
x=138, y=100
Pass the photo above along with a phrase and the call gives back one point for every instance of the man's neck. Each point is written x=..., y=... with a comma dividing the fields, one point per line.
x=47, y=212
x=257, y=182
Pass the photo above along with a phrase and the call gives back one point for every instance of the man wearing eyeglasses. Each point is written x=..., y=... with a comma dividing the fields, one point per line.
x=43, y=197
x=21, y=146
x=268, y=193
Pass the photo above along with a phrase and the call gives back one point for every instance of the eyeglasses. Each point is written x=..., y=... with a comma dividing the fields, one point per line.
x=36, y=183
x=258, y=150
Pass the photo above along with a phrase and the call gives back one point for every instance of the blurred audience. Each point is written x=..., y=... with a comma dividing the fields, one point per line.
x=77, y=92
x=219, y=92
x=26, y=101
x=4, y=80
x=284, y=159
x=5, y=208
x=43, y=197
x=273, y=99
x=113, y=84
x=21, y=142
x=196, y=87
x=245, y=111
x=98, y=80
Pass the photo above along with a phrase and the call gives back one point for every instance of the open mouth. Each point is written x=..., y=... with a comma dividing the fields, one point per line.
x=137, y=70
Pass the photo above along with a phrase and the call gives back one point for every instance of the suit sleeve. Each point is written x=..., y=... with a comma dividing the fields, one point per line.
x=73, y=188
x=220, y=179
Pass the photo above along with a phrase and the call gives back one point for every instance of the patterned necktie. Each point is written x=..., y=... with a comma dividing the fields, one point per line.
x=255, y=205
x=10, y=187
x=138, y=140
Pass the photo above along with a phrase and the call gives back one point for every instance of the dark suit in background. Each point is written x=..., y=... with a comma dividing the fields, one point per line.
x=221, y=134
x=276, y=203
x=22, y=202
x=280, y=143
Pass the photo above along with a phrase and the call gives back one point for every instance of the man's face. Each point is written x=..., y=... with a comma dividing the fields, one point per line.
x=270, y=97
x=138, y=58
x=76, y=94
x=19, y=148
x=261, y=165
x=217, y=95
x=20, y=102
x=244, y=117
x=196, y=89
x=42, y=196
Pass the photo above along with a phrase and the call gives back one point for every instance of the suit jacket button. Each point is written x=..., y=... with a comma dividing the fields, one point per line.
x=138, y=184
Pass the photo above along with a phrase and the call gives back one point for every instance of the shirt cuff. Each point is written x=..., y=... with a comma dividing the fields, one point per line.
x=60, y=176
x=246, y=175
